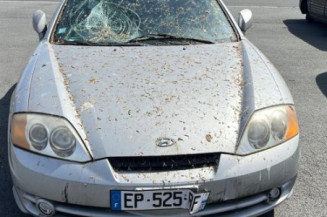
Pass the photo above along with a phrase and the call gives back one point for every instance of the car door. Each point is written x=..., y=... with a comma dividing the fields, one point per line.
x=317, y=7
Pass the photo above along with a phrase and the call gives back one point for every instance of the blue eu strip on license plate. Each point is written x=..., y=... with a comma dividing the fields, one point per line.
x=115, y=200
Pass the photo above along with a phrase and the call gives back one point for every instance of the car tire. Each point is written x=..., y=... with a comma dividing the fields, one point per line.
x=309, y=18
x=304, y=7
x=271, y=213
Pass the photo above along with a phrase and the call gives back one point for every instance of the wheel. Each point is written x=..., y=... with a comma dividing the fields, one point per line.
x=304, y=7
x=271, y=213
x=309, y=18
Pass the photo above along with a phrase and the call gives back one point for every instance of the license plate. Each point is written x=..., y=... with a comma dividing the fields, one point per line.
x=159, y=199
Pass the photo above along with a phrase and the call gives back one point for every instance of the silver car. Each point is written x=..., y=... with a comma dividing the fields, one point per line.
x=150, y=108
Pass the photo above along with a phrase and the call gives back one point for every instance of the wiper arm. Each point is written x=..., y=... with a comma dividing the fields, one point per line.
x=167, y=36
x=134, y=41
x=89, y=43
x=64, y=42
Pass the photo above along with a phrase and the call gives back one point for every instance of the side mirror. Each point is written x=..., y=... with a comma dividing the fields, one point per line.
x=40, y=23
x=245, y=18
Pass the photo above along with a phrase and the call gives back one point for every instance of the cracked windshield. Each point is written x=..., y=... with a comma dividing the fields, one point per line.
x=110, y=22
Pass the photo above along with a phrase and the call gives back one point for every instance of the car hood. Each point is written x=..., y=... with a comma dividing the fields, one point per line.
x=124, y=100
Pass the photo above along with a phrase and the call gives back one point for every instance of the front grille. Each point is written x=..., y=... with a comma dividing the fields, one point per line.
x=164, y=163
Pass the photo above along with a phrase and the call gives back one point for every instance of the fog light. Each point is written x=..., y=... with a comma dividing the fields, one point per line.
x=45, y=207
x=274, y=194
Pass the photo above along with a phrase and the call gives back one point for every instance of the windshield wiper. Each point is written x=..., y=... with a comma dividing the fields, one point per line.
x=64, y=42
x=167, y=36
x=89, y=43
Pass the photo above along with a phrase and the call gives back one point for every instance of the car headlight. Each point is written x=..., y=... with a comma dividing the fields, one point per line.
x=267, y=128
x=48, y=135
x=62, y=141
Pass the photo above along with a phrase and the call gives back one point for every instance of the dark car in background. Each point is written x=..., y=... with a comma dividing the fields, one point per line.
x=316, y=10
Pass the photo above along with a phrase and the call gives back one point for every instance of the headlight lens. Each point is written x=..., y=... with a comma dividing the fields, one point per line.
x=258, y=133
x=48, y=135
x=267, y=128
x=62, y=141
x=38, y=136
x=278, y=124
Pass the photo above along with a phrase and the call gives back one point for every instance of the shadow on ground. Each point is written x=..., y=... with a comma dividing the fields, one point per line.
x=314, y=33
x=269, y=214
x=6, y=197
x=321, y=81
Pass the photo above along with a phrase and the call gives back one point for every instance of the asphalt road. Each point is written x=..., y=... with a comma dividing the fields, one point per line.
x=298, y=50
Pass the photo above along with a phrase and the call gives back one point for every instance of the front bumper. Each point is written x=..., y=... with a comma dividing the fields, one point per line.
x=237, y=187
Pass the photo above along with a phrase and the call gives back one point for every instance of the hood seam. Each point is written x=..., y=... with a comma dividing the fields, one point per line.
x=269, y=69
x=37, y=54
